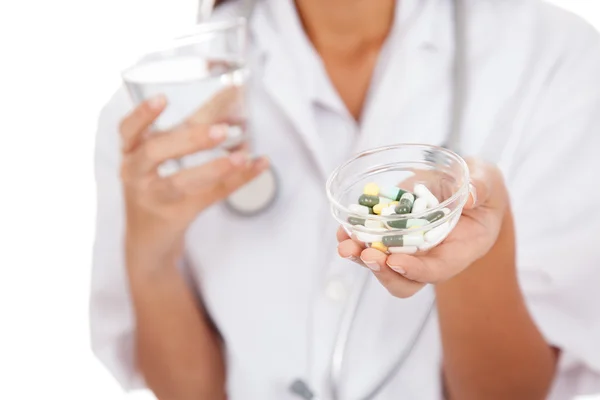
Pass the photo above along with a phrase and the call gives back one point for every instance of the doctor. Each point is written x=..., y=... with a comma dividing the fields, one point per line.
x=196, y=302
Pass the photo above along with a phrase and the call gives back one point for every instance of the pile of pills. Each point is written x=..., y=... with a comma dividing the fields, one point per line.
x=389, y=201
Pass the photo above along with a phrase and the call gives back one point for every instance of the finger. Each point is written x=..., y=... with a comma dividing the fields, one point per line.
x=397, y=285
x=222, y=107
x=139, y=120
x=350, y=250
x=237, y=179
x=481, y=175
x=184, y=140
x=189, y=180
x=342, y=235
x=439, y=264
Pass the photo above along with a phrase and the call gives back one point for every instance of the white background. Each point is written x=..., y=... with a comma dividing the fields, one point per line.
x=60, y=62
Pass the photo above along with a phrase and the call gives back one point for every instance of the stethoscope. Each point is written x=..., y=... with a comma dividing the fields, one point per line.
x=262, y=193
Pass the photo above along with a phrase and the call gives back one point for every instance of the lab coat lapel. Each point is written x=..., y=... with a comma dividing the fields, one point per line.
x=281, y=80
x=282, y=84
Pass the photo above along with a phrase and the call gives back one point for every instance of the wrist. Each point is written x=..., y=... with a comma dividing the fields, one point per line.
x=143, y=252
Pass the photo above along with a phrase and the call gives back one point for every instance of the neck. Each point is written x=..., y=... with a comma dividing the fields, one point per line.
x=346, y=27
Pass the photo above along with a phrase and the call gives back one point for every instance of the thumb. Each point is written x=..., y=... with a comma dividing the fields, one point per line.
x=481, y=175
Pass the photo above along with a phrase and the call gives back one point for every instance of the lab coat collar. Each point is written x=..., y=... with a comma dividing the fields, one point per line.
x=290, y=63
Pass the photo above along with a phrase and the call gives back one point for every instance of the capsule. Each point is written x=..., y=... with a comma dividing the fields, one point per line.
x=391, y=192
x=371, y=189
x=423, y=193
x=366, y=237
x=389, y=210
x=435, y=216
x=377, y=208
x=407, y=223
x=359, y=209
x=405, y=204
x=374, y=225
x=368, y=201
x=403, y=240
x=419, y=205
x=379, y=246
x=403, y=250
x=438, y=233
x=356, y=221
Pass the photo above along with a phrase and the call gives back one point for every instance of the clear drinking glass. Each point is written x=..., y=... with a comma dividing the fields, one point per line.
x=205, y=66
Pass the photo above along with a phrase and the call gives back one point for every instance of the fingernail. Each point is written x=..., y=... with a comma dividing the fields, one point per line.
x=398, y=269
x=238, y=158
x=352, y=258
x=263, y=163
x=473, y=193
x=157, y=102
x=372, y=265
x=217, y=132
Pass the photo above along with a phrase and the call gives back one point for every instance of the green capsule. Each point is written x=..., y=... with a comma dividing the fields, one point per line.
x=393, y=241
x=400, y=194
x=402, y=209
x=399, y=224
x=356, y=221
x=436, y=216
x=368, y=201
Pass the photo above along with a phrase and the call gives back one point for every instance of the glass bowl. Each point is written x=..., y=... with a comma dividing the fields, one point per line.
x=403, y=166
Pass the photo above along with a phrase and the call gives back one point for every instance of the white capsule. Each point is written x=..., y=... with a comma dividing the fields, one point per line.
x=403, y=250
x=368, y=237
x=438, y=233
x=384, y=200
x=359, y=209
x=413, y=239
x=419, y=205
x=374, y=225
x=446, y=211
x=423, y=193
x=426, y=246
x=388, y=211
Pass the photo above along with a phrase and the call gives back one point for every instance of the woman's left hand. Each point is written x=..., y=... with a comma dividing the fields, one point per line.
x=474, y=235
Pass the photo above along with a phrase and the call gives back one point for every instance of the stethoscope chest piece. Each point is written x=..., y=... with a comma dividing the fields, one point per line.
x=256, y=196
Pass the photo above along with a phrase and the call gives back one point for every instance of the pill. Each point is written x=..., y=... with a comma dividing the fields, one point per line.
x=389, y=210
x=356, y=221
x=419, y=205
x=368, y=201
x=403, y=250
x=405, y=204
x=437, y=233
x=368, y=237
x=371, y=189
x=423, y=193
x=378, y=207
x=435, y=216
x=358, y=209
x=407, y=223
x=403, y=240
x=391, y=192
x=375, y=225
x=379, y=246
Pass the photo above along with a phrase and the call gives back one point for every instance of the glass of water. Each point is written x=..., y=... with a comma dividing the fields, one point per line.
x=204, y=69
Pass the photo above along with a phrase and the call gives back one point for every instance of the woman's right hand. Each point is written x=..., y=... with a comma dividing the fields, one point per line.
x=160, y=209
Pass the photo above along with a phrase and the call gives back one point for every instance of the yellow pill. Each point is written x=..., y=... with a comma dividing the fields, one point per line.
x=371, y=189
x=378, y=207
x=379, y=246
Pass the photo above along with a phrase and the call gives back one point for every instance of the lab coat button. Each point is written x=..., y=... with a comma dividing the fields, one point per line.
x=336, y=290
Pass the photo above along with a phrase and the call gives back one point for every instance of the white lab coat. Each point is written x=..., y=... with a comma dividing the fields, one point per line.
x=274, y=284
